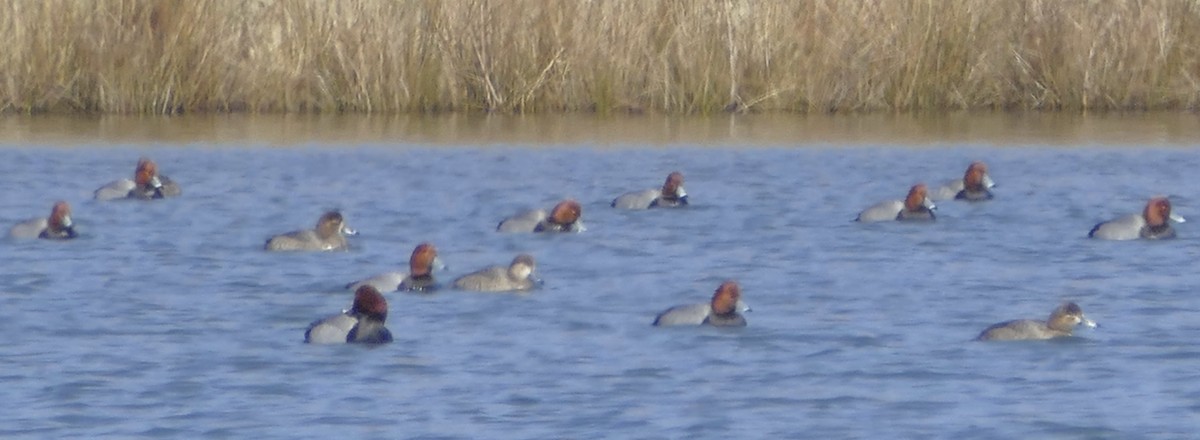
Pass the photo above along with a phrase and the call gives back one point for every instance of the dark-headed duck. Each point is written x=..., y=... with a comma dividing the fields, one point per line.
x=419, y=278
x=915, y=207
x=1153, y=224
x=58, y=226
x=724, y=310
x=976, y=184
x=147, y=184
x=565, y=217
x=951, y=189
x=671, y=195
x=363, y=323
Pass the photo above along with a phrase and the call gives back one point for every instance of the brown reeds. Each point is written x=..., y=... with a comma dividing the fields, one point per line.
x=672, y=56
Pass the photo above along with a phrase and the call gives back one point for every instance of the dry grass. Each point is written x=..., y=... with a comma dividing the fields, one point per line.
x=173, y=56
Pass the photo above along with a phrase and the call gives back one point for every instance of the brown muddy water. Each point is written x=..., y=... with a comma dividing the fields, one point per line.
x=1019, y=129
x=167, y=319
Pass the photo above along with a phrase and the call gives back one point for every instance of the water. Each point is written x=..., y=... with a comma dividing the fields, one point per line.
x=167, y=320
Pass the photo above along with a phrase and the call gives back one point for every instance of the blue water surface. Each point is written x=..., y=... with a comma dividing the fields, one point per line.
x=167, y=320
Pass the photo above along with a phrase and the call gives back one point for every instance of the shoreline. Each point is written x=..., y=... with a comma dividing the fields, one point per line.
x=944, y=130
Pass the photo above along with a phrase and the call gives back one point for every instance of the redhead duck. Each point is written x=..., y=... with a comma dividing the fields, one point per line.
x=563, y=218
x=363, y=323
x=330, y=235
x=671, y=195
x=1062, y=321
x=56, y=227
x=518, y=276
x=722, y=311
x=974, y=186
x=419, y=278
x=915, y=207
x=147, y=184
x=1153, y=224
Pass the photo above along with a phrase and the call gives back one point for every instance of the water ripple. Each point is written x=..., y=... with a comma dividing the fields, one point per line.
x=167, y=320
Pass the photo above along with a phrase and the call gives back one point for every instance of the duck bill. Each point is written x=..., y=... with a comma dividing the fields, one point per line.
x=928, y=204
x=988, y=182
x=157, y=186
x=348, y=231
x=1087, y=322
x=438, y=265
x=1177, y=218
x=742, y=307
x=68, y=227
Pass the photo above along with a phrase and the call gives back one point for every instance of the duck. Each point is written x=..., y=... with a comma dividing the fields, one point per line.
x=1153, y=224
x=518, y=276
x=915, y=207
x=976, y=184
x=58, y=226
x=724, y=310
x=329, y=235
x=671, y=195
x=419, y=278
x=565, y=217
x=364, y=323
x=976, y=178
x=147, y=184
x=1061, y=323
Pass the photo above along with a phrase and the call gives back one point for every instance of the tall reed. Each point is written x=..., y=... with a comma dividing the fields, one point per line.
x=673, y=56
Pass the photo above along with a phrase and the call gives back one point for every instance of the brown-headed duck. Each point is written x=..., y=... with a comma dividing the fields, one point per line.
x=147, y=184
x=419, y=278
x=518, y=276
x=56, y=227
x=915, y=207
x=1153, y=224
x=565, y=217
x=363, y=323
x=1061, y=323
x=330, y=235
x=671, y=195
x=724, y=310
x=975, y=185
